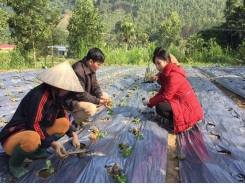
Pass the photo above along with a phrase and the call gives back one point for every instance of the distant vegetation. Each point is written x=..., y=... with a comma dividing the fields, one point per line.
x=195, y=31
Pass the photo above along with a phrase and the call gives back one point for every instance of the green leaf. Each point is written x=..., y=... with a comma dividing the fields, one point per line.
x=109, y=112
x=102, y=135
x=121, y=179
x=48, y=163
x=50, y=170
x=139, y=136
x=123, y=146
x=127, y=151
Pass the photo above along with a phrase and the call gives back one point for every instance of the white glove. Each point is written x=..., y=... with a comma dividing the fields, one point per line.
x=75, y=142
x=146, y=101
x=143, y=110
x=61, y=151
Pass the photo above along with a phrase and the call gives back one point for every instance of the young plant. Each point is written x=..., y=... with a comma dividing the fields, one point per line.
x=13, y=99
x=123, y=101
x=118, y=173
x=120, y=179
x=129, y=95
x=137, y=133
x=126, y=150
x=112, y=104
x=154, y=93
x=48, y=166
x=136, y=120
x=109, y=111
x=8, y=93
x=97, y=134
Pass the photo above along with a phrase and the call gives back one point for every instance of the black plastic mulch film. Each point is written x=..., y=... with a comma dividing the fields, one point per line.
x=214, y=149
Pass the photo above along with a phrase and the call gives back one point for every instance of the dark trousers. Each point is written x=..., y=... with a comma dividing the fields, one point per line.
x=164, y=110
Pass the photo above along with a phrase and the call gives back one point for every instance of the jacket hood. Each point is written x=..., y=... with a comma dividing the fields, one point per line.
x=171, y=67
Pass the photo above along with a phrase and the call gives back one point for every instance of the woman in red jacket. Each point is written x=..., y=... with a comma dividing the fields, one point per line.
x=176, y=100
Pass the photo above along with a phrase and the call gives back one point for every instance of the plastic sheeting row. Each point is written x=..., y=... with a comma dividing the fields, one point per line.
x=146, y=163
x=232, y=78
x=215, y=149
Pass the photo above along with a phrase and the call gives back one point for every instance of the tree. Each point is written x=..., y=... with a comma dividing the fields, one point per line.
x=4, y=29
x=2, y=20
x=143, y=39
x=56, y=37
x=85, y=28
x=229, y=8
x=28, y=24
x=169, y=31
x=127, y=34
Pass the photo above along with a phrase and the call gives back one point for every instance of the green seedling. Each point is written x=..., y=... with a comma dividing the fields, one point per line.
x=102, y=135
x=136, y=87
x=111, y=104
x=129, y=95
x=137, y=133
x=154, y=92
x=136, y=120
x=109, y=111
x=123, y=100
x=97, y=134
x=118, y=173
x=8, y=93
x=121, y=179
x=126, y=150
x=48, y=166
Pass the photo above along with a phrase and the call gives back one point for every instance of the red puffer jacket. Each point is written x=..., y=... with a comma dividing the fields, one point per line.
x=176, y=90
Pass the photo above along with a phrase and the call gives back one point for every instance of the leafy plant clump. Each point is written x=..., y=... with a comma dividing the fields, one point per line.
x=118, y=173
x=136, y=120
x=48, y=166
x=137, y=133
x=125, y=149
x=97, y=134
x=120, y=179
x=109, y=111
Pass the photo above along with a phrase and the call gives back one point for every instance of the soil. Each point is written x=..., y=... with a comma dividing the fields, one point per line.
x=45, y=174
x=172, y=175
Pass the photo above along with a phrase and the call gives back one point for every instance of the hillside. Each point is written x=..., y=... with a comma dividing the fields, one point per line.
x=195, y=15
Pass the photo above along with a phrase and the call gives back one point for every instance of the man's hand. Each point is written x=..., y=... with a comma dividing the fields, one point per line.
x=105, y=102
x=146, y=101
x=75, y=140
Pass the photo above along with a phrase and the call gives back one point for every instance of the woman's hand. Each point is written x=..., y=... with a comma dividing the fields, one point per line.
x=154, y=78
x=146, y=101
x=60, y=150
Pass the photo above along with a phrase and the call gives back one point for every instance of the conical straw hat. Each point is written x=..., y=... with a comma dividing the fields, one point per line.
x=61, y=76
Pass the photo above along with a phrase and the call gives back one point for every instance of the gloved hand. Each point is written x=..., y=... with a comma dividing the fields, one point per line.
x=146, y=101
x=61, y=151
x=75, y=142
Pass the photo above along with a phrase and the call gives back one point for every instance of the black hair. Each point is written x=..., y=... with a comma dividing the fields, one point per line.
x=96, y=55
x=162, y=54
x=157, y=49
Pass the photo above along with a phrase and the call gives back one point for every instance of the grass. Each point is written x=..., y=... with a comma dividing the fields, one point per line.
x=137, y=56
